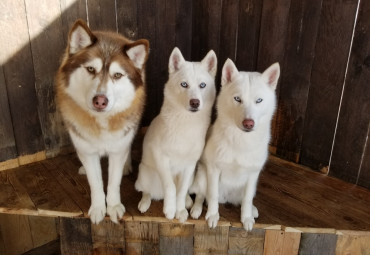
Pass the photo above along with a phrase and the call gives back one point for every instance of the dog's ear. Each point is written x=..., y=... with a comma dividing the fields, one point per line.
x=176, y=60
x=138, y=52
x=210, y=62
x=229, y=72
x=80, y=37
x=271, y=75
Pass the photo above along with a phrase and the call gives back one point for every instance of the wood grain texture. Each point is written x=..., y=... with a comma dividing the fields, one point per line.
x=327, y=78
x=176, y=238
x=354, y=118
x=243, y=242
x=43, y=230
x=108, y=237
x=75, y=236
x=71, y=10
x=312, y=243
x=19, y=77
x=7, y=145
x=364, y=175
x=350, y=242
x=142, y=237
x=102, y=15
x=303, y=23
x=249, y=19
x=210, y=241
x=127, y=19
x=281, y=242
x=273, y=33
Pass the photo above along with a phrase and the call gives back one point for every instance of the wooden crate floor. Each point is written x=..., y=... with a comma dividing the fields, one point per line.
x=288, y=195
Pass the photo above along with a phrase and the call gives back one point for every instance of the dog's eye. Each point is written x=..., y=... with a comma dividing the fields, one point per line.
x=237, y=99
x=259, y=100
x=117, y=76
x=202, y=85
x=90, y=69
x=184, y=84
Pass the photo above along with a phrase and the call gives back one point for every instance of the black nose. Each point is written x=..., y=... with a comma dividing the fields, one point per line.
x=194, y=103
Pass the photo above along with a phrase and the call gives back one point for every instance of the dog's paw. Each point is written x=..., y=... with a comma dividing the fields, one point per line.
x=97, y=213
x=248, y=223
x=182, y=215
x=169, y=211
x=255, y=212
x=188, y=202
x=116, y=212
x=82, y=170
x=212, y=219
x=196, y=211
x=144, y=204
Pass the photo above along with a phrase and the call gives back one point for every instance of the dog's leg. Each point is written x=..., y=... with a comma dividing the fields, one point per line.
x=91, y=164
x=188, y=202
x=213, y=176
x=115, y=208
x=145, y=202
x=169, y=187
x=197, y=208
x=182, y=192
x=247, y=212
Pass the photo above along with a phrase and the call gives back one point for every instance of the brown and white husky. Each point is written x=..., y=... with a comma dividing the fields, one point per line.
x=101, y=94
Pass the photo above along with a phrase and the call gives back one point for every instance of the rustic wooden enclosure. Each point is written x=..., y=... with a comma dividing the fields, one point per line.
x=322, y=120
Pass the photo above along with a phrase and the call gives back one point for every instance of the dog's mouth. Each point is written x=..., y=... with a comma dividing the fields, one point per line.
x=193, y=109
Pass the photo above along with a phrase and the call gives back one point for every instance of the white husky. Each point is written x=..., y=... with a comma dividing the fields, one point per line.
x=175, y=139
x=237, y=145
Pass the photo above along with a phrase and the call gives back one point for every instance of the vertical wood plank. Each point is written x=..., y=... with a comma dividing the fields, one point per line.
x=71, y=10
x=354, y=118
x=364, y=176
x=303, y=24
x=210, y=241
x=273, y=32
x=102, y=14
x=351, y=242
x=43, y=230
x=142, y=237
x=16, y=60
x=176, y=238
x=127, y=18
x=281, y=242
x=45, y=29
x=316, y=244
x=328, y=70
x=12, y=229
x=108, y=237
x=243, y=242
x=7, y=145
x=183, y=27
x=248, y=34
x=75, y=236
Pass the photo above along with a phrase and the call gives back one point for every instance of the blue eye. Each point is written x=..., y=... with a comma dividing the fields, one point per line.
x=202, y=85
x=184, y=84
x=237, y=99
x=259, y=100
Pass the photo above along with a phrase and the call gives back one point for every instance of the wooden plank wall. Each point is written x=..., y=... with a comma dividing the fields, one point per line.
x=323, y=114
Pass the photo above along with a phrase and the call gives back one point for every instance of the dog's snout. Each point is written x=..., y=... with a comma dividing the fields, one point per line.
x=100, y=102
x=194, y=103
x=248, y=124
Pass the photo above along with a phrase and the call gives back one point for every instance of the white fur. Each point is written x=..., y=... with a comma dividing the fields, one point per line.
x=175, y=139
x=82, y=87
x=233, y=158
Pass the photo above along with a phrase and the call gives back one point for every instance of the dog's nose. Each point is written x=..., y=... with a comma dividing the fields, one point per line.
x=248, y=124
x=194, y=103
x=100, y=102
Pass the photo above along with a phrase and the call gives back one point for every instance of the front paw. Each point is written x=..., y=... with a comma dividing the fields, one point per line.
x=248, y=223
x=144, y=204
x=97, y=213
x=116, y=212
x=196, y=211
x=212, y=219
x=169, y=211
x=182, y=215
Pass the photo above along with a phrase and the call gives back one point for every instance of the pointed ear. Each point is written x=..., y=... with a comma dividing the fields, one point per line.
x=210, y=62
x=80, y=37
x=229, y=72
x=271, y=75
x=176, y=60
x=138, y=52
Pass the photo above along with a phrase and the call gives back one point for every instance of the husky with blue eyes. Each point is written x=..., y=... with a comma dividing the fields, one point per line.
x=237, y=145
x=175, y=139
x=101, y=94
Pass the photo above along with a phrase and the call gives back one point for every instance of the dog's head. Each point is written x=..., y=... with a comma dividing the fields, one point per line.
x=248, y=98
x=102, y=70
x=191, y=85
